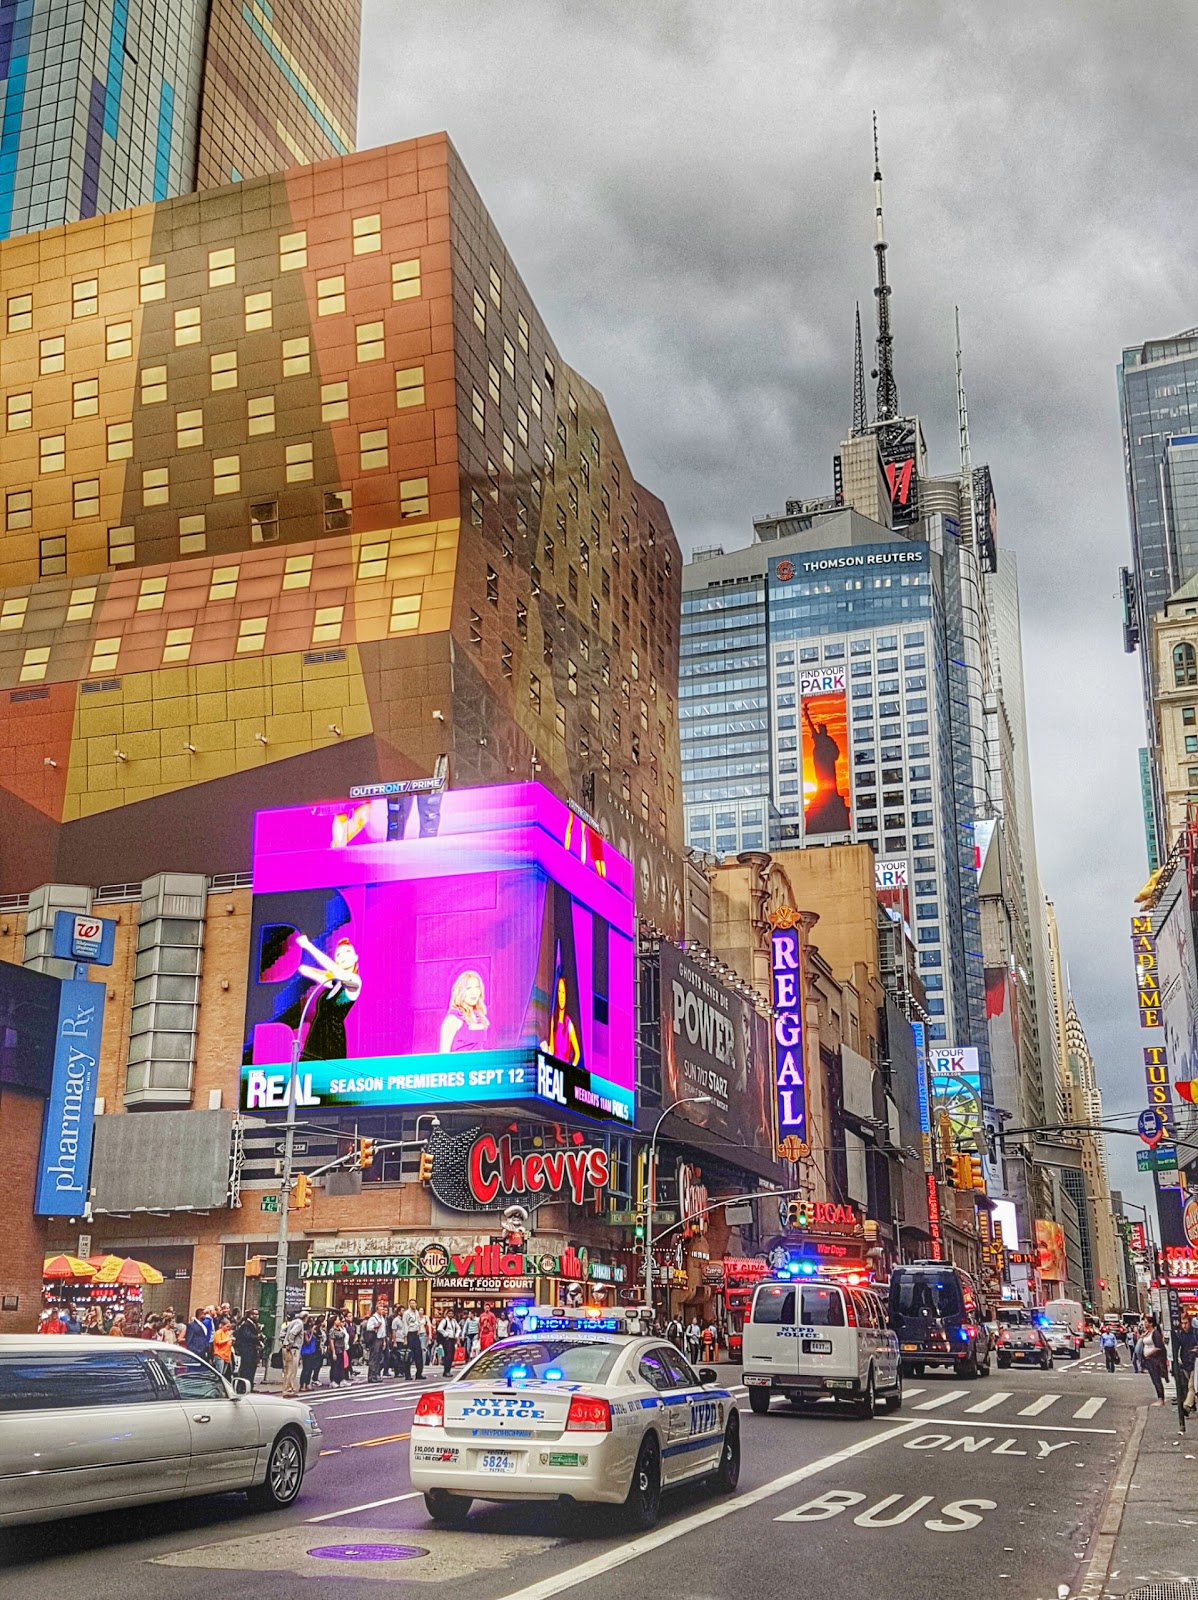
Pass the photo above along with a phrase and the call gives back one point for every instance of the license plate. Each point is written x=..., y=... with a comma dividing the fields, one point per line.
x=817, y=1347
x=496, y=1461
x=839, y=1383
x=910, y=1347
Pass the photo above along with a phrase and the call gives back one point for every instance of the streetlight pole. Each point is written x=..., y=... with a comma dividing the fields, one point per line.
x=288, y=1157
x=651, y=1196
x=1156, y=1260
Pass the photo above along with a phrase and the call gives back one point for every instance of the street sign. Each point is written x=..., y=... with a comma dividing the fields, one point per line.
x=298, y=1148
x=1162, y=1159
x=270, y=1202
x=1150, y=1125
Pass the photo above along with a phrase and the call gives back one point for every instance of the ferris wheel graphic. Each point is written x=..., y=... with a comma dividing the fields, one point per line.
x=962, y=1104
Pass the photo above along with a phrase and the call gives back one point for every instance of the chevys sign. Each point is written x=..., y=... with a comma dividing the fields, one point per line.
x=494, y=1169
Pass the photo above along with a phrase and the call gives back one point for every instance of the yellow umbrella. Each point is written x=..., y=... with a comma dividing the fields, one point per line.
x=114, y=1269
x=66, y=1266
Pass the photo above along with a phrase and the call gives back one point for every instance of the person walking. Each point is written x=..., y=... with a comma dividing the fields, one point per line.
x=709, y=1343
x=1156, y=1360
x=196, y=1336
x=222, y=1347
x=470, y=1335
x=693, y=1337
x=293, y=1341
x=1185, y=1351
x=503, y=1326
x=247, y=1342
x=412, y=1329
x=374, y=1337
x=338, y=1344
x=1110, y=1348
x=486, y=1328
x=309, y=1356
x=448, y=1333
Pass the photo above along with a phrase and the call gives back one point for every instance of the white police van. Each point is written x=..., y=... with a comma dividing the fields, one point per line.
x=808, y=1338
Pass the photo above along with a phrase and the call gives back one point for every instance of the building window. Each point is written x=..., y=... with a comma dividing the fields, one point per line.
x=187, y=327
x=534, y=395
x=155, y=486
x=264, y=523
x=251, y=635
x=258, y=311
x=12, y=613
x=534, y=692
x=297, y=357
x=299, y=463
x=480, y=312
x=189, y=429
x=120, y=441
x=509, y=357
x=326, y=625
x=1189, y=716
x=372, y=560
x=509, y=454
x=370, y=341
x=85, y=498
x=413, y=497
x=226, y=475
x=405, y=613
x=330, y=295
x=493, y=381
x=20, y=313
x=177, y=647
x=153, y=385
x=85, y=397
x=152, y=594
x=409, y=387
x=81, y=605
x=85, y=298
x=338, y=509
x=120, y=546
x=476, y=629
x=222, y=267
x=372, y=447
x=334, y=402
x=367, y=234
x=293, y=251
x=522, y=331
x=223, y=370
x=193, y=536
x=152, y=283
x=34, y=663
x=1191, y=744
x=297, y=572
x=18, y=509
x=405, y=280
x=52, y=352
x=223, y=583
x=52, y=556
x=477, y=413
x=492, y=586
x=52, y=452
x=104, y=657
x=505, y=658
x=260, y=415
x=20, y=412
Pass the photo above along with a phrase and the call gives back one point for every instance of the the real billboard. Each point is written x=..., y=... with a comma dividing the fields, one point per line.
x=714, y=1042
x=825, y=744
x=477, y=947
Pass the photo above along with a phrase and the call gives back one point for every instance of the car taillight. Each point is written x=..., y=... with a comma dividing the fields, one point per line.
x=850, y=1312
x=430, y=1412
x=588, y=1416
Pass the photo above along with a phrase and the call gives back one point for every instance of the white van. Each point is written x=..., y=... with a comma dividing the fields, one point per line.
x=813, y=1337
x=1070, y=1312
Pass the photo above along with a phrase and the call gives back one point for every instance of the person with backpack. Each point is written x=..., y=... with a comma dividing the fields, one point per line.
x=448, y=1333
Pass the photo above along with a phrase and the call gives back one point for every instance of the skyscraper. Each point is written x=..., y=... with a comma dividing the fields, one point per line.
x=106, y=104
x=1158, y=409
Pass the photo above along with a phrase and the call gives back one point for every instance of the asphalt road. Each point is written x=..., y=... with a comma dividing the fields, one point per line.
x=996, y=1485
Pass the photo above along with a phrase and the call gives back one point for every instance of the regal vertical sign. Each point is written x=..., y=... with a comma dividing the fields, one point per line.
x=790, y=1078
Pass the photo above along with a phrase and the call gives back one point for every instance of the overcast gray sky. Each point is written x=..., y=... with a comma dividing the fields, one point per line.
x=685, y=187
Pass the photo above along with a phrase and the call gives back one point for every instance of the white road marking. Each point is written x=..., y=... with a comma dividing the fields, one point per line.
x=989, y=1403
x=908, y=1392
x=1037, y=1406
x=1024, y=1427
x=369, y=1506
x=1091, y=1407
x=600, y=1565
x=375, y=1411
x=945, y=1399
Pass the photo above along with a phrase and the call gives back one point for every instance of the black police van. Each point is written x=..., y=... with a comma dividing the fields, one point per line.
x=937, y=1313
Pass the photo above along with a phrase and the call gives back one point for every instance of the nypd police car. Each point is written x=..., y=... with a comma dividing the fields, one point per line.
x=580, y=1407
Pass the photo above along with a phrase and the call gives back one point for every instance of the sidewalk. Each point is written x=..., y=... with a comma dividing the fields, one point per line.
x=1149, y=1532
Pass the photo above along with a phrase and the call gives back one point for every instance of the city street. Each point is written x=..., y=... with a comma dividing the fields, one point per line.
x=998, y=1484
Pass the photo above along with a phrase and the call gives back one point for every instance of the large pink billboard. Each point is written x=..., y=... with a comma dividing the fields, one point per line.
x=440, y=948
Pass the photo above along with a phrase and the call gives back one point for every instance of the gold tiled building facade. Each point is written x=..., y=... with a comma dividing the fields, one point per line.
x=298, y=493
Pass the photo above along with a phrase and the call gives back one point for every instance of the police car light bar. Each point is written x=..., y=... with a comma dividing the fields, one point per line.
x=554, y=1322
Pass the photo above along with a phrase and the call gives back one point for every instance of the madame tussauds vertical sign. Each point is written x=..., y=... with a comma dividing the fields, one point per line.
x=790, y=1079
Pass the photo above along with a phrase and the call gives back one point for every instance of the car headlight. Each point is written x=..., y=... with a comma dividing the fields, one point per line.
x=313, y=1425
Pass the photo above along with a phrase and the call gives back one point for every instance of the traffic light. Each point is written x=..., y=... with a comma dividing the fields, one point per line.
x=961, y=1171
x=365, y=1152
x=253, y=1267
x=638, y=1227
x=977, y=1178
x=797, y=1214
x=426, y=1165
x=301, y=1197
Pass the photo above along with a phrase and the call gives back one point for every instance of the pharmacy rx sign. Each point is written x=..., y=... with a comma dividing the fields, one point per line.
x=790, y=1078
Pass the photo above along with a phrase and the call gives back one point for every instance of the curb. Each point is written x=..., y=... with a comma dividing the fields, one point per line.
x=1111, y=1519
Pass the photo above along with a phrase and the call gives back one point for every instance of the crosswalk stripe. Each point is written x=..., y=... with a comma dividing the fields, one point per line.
x=945, y=1399
x=908, y=1391
x=1090, y=1408
x=1037, y=1406
x=989, y=1403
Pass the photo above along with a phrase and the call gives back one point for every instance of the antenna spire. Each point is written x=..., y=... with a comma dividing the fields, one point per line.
x=962, y=411
x=888, y=400
x=860, y=415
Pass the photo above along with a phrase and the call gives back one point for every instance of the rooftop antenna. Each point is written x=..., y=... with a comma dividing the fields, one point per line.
x=860, y=415
x=888, y=400
x=962, y=411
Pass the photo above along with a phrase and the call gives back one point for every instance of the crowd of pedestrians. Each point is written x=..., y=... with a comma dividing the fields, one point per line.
x=399, y=1343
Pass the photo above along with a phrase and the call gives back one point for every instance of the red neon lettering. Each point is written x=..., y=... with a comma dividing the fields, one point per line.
x=555, y=1168
x=534, y=1174
x=512, y=1167
x=483, y=1187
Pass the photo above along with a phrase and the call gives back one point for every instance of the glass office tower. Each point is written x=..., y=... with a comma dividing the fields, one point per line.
x=107, y=104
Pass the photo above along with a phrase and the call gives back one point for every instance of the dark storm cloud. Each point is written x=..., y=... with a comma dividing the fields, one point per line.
x=686, y=190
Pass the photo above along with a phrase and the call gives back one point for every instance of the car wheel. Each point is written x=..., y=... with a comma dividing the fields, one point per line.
x=894, y=1400
x=968, y=1368
x=1003, y=1366
x=867, y=1405
x=642, y=1504
x=1046, y=1364
x=727, y=1475
x=451, y=1509
x=284, y=1474
x=917, y=1370
x=759, y=1401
